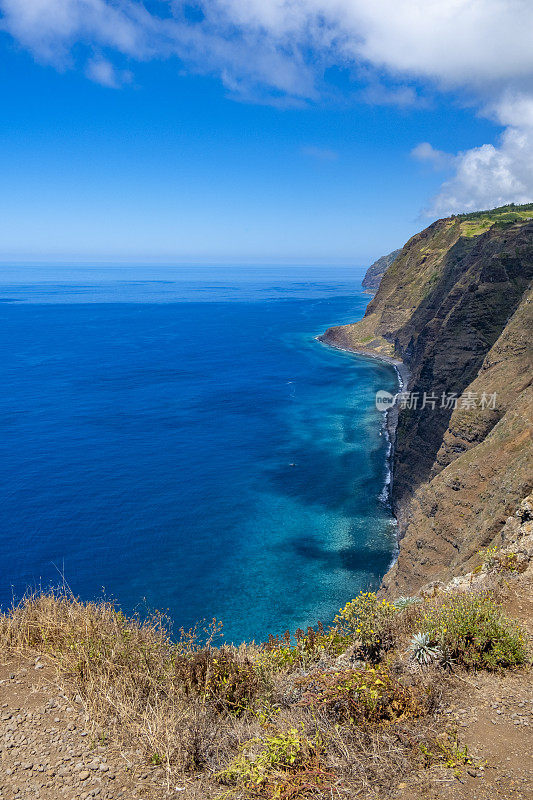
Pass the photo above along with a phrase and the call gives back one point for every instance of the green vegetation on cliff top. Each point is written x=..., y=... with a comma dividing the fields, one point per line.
x=478, y=222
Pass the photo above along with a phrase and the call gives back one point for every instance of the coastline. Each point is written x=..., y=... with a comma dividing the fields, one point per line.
x=390, y=425
x=402, y=370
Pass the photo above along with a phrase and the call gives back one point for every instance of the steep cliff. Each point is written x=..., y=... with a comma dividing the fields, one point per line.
x=376, y=270
x=455, y=306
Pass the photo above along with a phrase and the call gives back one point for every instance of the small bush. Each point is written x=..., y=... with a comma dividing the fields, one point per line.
x=472, y=631
x=490, y=558
x=285, y=766
x=401, y=603
x=279, y=654
x=360, y=695
x=370, y=621
x=446, y=750
x=218, y=677
x=511, y=562
x=494, y=560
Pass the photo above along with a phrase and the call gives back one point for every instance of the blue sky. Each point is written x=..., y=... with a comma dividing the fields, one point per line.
x=112, y=154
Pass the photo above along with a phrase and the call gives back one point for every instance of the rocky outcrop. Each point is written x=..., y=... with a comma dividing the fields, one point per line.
x=510, y=559
x=456, y=308
x=376, y=270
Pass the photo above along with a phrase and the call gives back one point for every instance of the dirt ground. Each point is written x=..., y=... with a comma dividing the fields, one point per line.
x=47, y=750
x=46, y=747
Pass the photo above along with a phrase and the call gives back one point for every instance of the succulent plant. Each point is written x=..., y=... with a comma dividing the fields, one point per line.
x=422, y=650
x=446, y=660
x=404, y=602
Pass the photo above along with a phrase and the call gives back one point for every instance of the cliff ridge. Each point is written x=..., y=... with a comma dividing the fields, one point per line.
x=455, y=307
x=376, y=270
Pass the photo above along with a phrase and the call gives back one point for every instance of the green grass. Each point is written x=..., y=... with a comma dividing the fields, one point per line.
x=478, y=222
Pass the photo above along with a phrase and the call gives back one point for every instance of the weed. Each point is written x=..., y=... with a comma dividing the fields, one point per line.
x=284, y=766
x=401, y=603
x=369, y=620
x=494, y=560
x=473, y=632
x=217, y=676
x=422, y=650
x=360, y=695
x=446, y=750
x=280, y=654
x=490, y=559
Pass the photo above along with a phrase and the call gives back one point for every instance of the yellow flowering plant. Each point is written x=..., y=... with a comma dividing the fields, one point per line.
x=368, y=620
x=473, y=631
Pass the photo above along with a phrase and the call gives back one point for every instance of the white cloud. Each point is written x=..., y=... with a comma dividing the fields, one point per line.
x=279, y=51
x=102, y=71
x=513, y=108
x=286, y=44
x=489, y=176
x=50, y=28
x=438, y=159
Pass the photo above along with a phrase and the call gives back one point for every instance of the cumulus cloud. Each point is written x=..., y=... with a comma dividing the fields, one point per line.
x=280, y=51
x=513, y=108
x=489, y=176
x=438, y=159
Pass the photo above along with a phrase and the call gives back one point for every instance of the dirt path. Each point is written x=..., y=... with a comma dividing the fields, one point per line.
x=493, y=715
x=46, y=749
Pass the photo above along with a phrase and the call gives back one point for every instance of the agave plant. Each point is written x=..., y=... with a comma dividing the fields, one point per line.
x=446, y=660
x=422, y=650
x=404, y=602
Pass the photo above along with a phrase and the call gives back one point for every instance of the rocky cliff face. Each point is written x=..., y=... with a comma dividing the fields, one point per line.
x=455, y=306
x=376, y=271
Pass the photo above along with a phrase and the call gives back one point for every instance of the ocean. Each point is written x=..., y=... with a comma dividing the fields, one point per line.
x=178, y=440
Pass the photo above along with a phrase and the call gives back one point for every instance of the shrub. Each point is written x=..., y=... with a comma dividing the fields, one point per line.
x=285, y=766
x=370, y=695
x=445, y=749
x=473, y=632
x=494, y=560
x=278, y=654
x=218, y=677
x=401, y=603
x=369, y=620
x=490, y=558
x=511, y=562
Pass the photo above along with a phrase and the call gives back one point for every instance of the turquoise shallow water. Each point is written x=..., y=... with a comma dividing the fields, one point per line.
x=185, y=443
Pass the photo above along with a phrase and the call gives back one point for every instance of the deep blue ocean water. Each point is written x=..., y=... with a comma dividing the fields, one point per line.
x=178, y=439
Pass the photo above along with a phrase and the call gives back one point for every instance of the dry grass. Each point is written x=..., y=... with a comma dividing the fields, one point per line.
x=226, y=716
x=130, y=676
